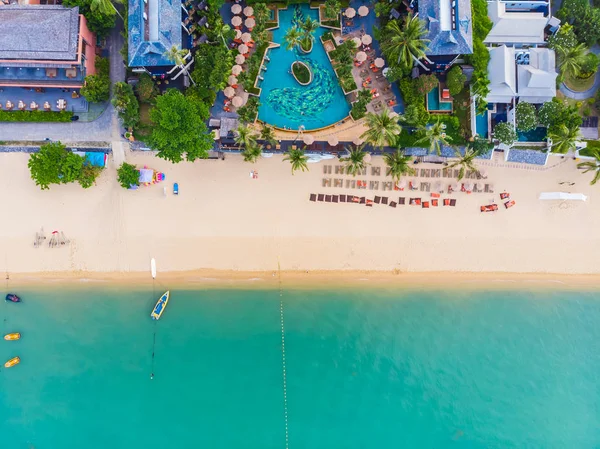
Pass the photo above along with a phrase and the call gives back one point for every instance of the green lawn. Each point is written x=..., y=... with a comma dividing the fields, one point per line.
x=301, y=72
x=579, y=85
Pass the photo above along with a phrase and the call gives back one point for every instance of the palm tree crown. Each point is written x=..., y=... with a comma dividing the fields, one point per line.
x=292, y=37
x=403, y=44
x=570, y=59
x=436, y=136
x=592, y=165
x=466, y=161
x=383, y=128
x=355, y=162
x=244, y=136
x=309, y=26
x=398, y=164
x=563, y=138
x=105, y=7
x=176, y=55
x=252, y=152
x=268, y=135
x=297, y=159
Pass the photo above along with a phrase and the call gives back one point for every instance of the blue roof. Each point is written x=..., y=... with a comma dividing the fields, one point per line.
x=453, y=38
x=166, y=16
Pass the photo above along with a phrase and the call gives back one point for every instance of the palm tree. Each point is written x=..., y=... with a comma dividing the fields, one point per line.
x=398, y=164
x=223, y=31
x=308, y=29
x=592, y=165
x=466, y=161
x=297, y=159
x=244, y=136
x=383, y=128
x=267, y=134
x=261, y=13
x=252, y=152
x=332, y=9
x=570, y=59
x=406, y=43
x=177, y=55
x=364, y=96
x=563, y=138
x=436, y=136
x=292, y=37
x=105, y=7
x=355, y=162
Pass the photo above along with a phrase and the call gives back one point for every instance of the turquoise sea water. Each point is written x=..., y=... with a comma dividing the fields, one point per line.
x=364, y=369
x=284, y=102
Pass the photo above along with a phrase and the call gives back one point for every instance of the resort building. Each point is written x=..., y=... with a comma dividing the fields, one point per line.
x=46, y=49
x=154, y=27
x=520, y=23
x=450, y=31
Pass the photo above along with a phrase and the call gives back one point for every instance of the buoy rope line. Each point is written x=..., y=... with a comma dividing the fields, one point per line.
x=284, y=371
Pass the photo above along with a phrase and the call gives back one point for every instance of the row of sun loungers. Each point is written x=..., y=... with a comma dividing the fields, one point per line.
x=423, y=172
x=382, y=200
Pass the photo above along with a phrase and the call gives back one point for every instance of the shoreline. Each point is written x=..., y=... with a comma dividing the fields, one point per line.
x=311, y=280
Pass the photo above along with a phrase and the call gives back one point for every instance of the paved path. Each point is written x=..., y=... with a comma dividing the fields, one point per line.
x=101, y=129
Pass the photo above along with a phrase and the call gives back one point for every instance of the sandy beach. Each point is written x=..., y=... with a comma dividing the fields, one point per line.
x=225, y=220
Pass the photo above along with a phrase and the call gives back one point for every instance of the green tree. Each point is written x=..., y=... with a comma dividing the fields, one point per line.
x=105, y=7
x=425, y=84
x=403, y=44
x=416, y=115
x=382, y=128
x=97, y=21
x=505, y=133
x=97, y=87
x=564, y=37
x=128, y=175
x=398, y=164
x=244, y=136
x=332, y=9
x=456, y=80
x=252, y=152
x=179, y=129
x=592, y=165
x=292, y=38
x=355, y=162
x=145, y=89
x=298, y=160
x=248, y=112
x=262, y=14
x=223, y=32
x=563, y=138
x=525, y=116
x=268, y=135
x=571, y=59
x=435, y=134
x=88, y=175
x=309, y=26
x=465, y=161
x=126, y=104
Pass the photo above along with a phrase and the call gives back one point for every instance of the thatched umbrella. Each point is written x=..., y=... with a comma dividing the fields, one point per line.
x=229, y=92
x=236, y=9
x=308, y=139
x=249, y=22
x=237, y=69
x=333, y=141
x=240, y=59
x=350, y=12
x=401, y=184
x=238, y=34
x=367, y=158
x=468, y=186
x=361, y=56
x=483, y=173
x=455, y=186
x=366, y=39
x=237, y=102
x=246, y=37
x=236, y=21
x=379, y=62
x=248, y=11
x=363, y=11
x=232, y=80
x=243, y=49
x=437, y=186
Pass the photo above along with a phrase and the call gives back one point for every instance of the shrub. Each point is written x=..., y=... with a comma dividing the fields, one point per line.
x=301, y=72
x=416, y=115
x=589, y=66
x=35, y=116
x=505, y=133
x=97, y=87
x=145, y=88
x=555, y=113
x=525, y=116
x=128, y=175
x=425, y=83
x=409, y=93
x=456, y=80
x=248, y=112
x=126, y=104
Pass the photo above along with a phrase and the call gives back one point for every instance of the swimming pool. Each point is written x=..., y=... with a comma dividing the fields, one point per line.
x=434, y=103
x=535, y=135
x=284, y=102
x=481, y=125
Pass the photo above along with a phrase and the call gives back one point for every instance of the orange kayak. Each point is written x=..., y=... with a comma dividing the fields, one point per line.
x=13, y=336
x=12, y=362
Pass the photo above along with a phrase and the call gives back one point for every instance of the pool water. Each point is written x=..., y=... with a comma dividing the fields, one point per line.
x=481, y=125
x=284, y=102
x=535, y=135
x=434, y=103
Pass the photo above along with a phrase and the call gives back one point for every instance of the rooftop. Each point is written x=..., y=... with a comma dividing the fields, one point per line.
x=515, y=27
x=151, y=37
x=36, y=32
x=449, y=24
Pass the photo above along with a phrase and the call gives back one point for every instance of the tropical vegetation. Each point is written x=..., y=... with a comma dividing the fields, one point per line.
x=456, y=79
x=252, y=152
x=398, y=164
x=505, y=133
x=177, y=56
x=97, y=87
x=382, y=128
x=308, y=28
x=128, y=176
x=435, y=134
x=592, y=165
x=126, y=104
x=563, y=138
x=403, y=42
x=525, y=116
x=298, y=160
x=355, y=161
x=465, y=161
x=301, y=72
x=244, y=136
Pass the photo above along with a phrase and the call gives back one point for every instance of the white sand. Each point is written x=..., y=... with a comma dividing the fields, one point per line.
x=225, y=220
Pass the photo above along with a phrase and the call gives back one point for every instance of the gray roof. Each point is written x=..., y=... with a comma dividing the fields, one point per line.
x=455, y=35
x=39, y=32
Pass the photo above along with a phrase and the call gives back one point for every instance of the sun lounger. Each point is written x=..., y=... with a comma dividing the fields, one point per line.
x=452, y=203
x=374, y=185
x=342, y=198
x=425, y=187
x=384, y=200
x=338, y=182
x=402, y=201
x=504, y=196
x=489, y=208
x=339, y=169
x=446, y=202
x=313, y=197
x=355, y=199
x=320, y=197
x=435, y=202
x=377, y=199
x=456, y=173
x=375, y=171
x=326, y=182
x=392, y=204
x=369, y=203
x=363, y=200
x=328, y=198
x=435, y=195
x=509, y=204
x=415, y=201
x=425, y=205
x=350, y=184
x=335, y=198
x=362, y=184
x=388, y=185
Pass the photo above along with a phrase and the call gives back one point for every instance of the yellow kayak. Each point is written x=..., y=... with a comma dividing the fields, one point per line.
x=13, y=336
x=12, y=362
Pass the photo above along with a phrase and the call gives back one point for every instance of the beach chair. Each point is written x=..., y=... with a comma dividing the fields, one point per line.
x=369, y=203
x=313, y=197
x=504, y=196
x=377, y=199
x=335, y=198
x=456, y=173
x=425, y=187
x=338, y=182
x=446, y=202
x=388, y=186
x=435, y=195
x=425, y=205
x=452, y=203
x=402, y=201
x=374, y=185
x=326, y=182
x=363, y=200
x=435, y=202
x=509, y=204
x=362, y=184
x=339, y=169
x=350, y=184
x=384, y=200
x=355, y=199
x=342, y=198
x=392, y=204
x=320, y=197
x=328, y=198
x=376, y=171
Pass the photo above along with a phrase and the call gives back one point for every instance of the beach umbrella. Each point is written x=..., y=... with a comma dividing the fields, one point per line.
x=437, y=186
x=363, y=11
x=238, y=34
x=236, y=9
x=357, y=141
x=357, y=41
x=350, y=12
x=237, y=69
x=246, y=37
x=366, y=39
x=236, y=21
x=237, y=101
x=379, y=62
x=413, y=183
x=308, y=139
x=243, y=49
x=367, y=158
x=361, y=56
x=229, y=92
x=249, y=22
x=248, y=11
x=401, y=184
x=483, y=173
x=232, y=81
x=455, y=186
x=468, y=186
x=385, y=71
x=333, y=141
x=240, y=59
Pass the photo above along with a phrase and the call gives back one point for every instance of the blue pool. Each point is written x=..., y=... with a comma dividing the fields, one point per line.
x=284, y=102
x=434, y=103
x=481, y=125
x=535, y=135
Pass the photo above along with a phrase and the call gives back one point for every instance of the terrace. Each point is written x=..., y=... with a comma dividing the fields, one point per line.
x=73, y=101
